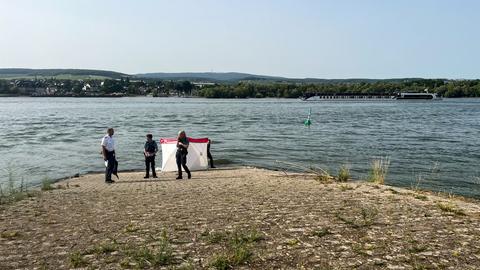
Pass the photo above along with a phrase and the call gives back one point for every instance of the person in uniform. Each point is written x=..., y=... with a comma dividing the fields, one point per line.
x=150, y=150
x=108, y=152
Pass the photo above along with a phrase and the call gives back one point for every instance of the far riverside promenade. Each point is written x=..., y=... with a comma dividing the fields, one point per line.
x=240, y=218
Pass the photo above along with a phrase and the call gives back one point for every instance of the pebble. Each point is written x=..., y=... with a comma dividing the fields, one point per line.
x=395, y=267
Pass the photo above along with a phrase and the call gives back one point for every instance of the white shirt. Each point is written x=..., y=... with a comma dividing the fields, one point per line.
x=109, y=143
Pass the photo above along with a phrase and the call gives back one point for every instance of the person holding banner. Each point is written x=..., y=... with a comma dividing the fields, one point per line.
x=181, y=154
x=209, y=155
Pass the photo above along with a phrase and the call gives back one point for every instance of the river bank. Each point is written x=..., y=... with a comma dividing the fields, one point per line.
x=246, y=218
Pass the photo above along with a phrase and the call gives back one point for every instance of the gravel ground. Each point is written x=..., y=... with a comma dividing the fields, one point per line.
x=242, y=218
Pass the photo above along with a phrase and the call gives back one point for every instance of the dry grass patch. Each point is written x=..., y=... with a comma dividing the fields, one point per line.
x=345, y=187
x=131, y=228
x=451, y=208
x=420, y=197
x=9, y=234
x=324, y=178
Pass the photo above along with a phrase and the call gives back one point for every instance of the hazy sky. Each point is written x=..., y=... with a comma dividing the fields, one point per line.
x=323, y=39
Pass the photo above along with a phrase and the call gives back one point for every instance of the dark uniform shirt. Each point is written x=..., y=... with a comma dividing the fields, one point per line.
x=151, y=147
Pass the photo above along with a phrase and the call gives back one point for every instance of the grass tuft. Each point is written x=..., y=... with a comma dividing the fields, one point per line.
x=238, y=255
x=106, y=248
x=417, y=249
x=47, y=184
x=238, y=248
x=143, y=257
x=242, y=238
x=14, y=191
x=241, y=255
x=321, y=232
x=365, y=218
x=77, y=260
x=221, y=262
x=344, y=173
x=379, y=170
x=216, y=237
x=131, y=228
x=292, y=242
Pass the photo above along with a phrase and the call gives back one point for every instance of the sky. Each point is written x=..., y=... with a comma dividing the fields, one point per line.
x=291, y=38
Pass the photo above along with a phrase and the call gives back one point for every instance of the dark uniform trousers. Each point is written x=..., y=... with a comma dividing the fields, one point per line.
x=150, y=162
x=110, y=165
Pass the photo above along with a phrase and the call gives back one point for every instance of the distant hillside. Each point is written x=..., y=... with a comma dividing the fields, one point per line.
x=207, y=76
x=6, y=73
x=236, y=77
x=351, y=80
x=218, y=77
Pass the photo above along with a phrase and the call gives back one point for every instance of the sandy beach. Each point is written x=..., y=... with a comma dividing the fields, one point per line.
x=242, y=218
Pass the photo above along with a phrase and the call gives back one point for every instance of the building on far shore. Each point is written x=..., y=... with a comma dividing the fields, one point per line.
x=203, y=84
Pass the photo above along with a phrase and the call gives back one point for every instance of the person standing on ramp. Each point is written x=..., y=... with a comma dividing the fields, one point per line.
x=181, y=155
x=108, y=152
x=150, y=150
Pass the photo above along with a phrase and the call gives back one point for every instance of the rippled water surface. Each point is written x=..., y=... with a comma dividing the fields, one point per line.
x=436, y=142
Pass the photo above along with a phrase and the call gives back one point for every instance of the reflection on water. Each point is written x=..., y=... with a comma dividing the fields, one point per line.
x=59, y=137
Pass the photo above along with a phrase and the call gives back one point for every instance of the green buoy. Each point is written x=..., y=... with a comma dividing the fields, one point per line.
x=308, y=122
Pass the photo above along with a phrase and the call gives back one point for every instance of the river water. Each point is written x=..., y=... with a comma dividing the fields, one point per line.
x=433, y=144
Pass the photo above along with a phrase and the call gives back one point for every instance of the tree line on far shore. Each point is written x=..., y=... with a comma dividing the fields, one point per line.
x=242, y=89
x=463, y=88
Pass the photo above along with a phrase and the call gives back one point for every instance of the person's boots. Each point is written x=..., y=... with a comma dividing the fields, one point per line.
x=179, y=175
x=189, y=175
x=147, y=175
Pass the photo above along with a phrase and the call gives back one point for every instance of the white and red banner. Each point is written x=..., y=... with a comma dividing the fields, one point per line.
x=196, y=158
